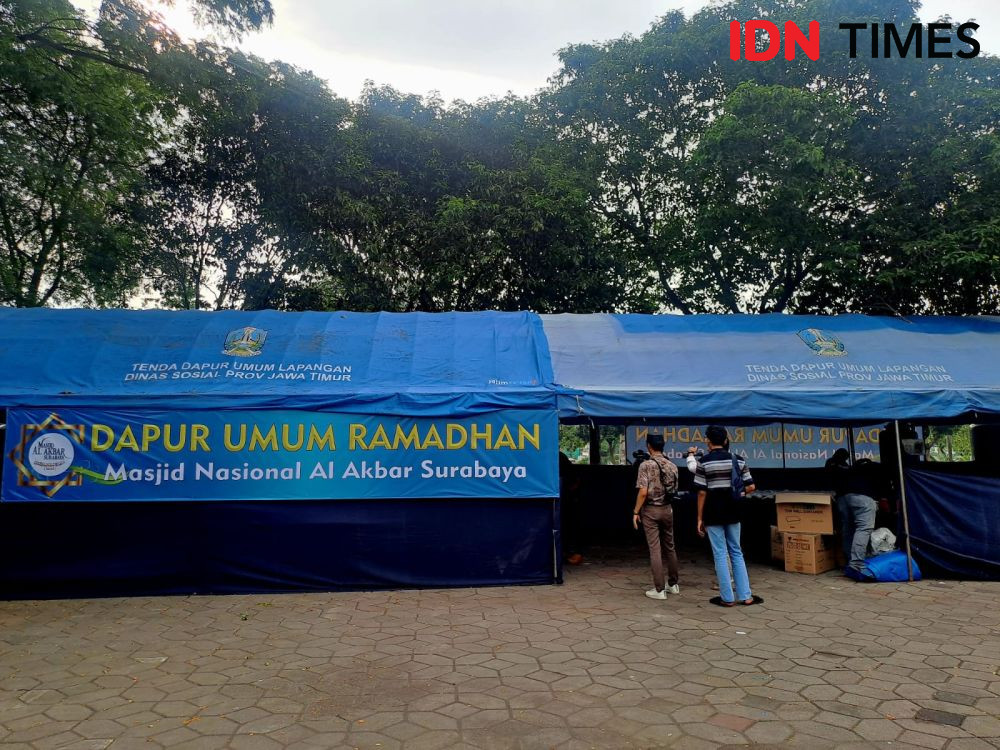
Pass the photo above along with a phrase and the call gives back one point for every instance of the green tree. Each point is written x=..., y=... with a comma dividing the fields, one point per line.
x=631, y=110
x=948, y=443
x=815, y=221
x=654, y=173
x=774, y=192
x=84, y=107
x=75, y=133
x=225, y=211
x=462, y=207
x=613, y=445
x=574, y=441
x=236, y=17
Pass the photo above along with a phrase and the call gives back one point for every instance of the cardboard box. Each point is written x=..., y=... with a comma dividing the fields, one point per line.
x=809, y=553
x=804, y=512
x=777, y=545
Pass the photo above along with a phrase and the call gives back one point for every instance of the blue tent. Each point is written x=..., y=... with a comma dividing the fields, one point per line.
x=106, y=383
x=848, y=369
x=758, y=367
x=813, y=369
x=203, y=412
x=414, y=364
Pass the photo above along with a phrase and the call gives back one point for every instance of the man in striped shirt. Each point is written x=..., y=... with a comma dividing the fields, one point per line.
x=719, y=517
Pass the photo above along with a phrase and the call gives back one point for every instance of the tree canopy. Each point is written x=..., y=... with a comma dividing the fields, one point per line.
x=808, y=186
x=652, y=173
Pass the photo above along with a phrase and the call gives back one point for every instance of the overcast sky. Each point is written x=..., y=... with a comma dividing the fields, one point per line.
x=472, y=48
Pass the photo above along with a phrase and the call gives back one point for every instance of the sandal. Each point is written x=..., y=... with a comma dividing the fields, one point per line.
x=753, y=600
x=717, y=600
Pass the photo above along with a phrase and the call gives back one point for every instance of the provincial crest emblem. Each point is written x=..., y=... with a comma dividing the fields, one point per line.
x=823, y=343
x=245, y=342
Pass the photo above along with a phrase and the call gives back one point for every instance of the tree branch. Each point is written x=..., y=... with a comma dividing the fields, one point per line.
x=89, y=54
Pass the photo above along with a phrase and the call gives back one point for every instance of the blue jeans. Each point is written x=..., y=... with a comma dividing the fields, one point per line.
x=725, y=547
x=857, y=515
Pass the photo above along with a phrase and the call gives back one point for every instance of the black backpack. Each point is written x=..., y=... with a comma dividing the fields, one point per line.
x=736, y=479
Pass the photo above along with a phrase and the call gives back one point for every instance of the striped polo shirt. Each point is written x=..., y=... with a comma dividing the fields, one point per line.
x=714, y=474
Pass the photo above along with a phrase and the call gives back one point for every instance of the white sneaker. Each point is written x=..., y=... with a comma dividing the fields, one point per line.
x=675, y=589
x=654, y=594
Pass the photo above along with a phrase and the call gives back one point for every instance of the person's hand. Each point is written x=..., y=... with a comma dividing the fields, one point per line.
x=692, y=449
x=701, y=528
x=635, y=521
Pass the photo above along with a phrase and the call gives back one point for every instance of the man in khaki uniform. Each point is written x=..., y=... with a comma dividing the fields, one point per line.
x=657, y=484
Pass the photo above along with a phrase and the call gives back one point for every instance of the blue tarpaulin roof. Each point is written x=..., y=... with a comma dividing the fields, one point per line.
x=414, y=364
x=774, y=367
x=847, y=368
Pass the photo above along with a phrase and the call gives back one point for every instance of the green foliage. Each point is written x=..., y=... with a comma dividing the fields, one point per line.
x=235, y=16
x=221, y=230
x=74, y=134
x=613, y=445
x=773, y=189
x=950, y=443
x=87, y=111
x=653, y=174
x=461, y=208
x=840, y=184
x=574, y=441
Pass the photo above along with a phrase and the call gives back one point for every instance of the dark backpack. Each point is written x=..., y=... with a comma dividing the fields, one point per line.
x=736, y=479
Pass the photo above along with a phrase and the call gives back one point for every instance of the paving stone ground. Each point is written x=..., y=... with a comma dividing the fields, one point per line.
x=824, y=663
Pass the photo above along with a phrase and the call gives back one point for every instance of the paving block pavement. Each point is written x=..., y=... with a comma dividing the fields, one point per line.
x=824, y=663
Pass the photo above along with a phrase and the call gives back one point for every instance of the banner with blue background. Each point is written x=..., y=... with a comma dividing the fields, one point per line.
x=69, y=455
x=770, y=446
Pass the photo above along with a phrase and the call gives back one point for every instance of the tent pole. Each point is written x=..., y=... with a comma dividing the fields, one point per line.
x=595, y=444
x=902, y=497
x=556, y=539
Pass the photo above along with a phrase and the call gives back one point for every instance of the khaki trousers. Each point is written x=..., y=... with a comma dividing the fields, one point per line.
x=658, y=523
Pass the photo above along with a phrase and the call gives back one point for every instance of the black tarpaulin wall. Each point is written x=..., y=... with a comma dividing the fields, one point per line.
x=955, y=522
x=112, y=549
